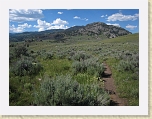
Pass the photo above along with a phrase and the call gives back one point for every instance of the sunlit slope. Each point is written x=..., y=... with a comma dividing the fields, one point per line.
x=125, y=38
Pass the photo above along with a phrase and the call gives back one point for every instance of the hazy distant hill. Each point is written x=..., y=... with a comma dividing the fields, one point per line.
x=92, y=29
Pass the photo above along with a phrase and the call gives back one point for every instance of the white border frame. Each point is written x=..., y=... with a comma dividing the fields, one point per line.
x=5, y=109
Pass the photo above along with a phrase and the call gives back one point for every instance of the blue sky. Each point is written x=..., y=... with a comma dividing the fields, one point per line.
x=22, y=20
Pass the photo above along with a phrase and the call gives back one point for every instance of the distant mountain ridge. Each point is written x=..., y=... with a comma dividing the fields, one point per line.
x=92, y=29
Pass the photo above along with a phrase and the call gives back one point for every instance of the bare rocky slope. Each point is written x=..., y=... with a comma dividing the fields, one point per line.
x=99, y=28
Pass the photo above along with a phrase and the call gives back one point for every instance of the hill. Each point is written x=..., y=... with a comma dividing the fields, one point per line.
x=93, y=29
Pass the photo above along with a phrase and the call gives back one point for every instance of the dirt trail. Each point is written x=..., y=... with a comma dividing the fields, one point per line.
x=111, y=88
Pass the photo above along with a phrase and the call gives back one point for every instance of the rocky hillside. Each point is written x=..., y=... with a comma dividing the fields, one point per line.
x=99, y=28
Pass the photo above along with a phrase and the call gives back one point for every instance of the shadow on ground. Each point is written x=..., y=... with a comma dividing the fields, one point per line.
x=113, y=103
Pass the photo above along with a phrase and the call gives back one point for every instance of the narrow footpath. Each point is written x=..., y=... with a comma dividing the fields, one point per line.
x=111, y=88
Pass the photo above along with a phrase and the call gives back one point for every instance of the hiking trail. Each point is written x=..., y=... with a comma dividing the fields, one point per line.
x=111, y=88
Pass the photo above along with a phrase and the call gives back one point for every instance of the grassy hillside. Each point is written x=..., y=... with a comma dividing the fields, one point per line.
x=55, y=73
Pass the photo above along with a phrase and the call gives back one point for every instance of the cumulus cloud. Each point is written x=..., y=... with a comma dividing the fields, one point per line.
x=25, y=25
x=59, y=21
x=42, y=25
x=115, y=24
x=19, y=28
x=56, y=24
x=21, y=15
x=60, y=12
x=102, y=16
x=131, y=27
x=121, y=17
x=76, y=17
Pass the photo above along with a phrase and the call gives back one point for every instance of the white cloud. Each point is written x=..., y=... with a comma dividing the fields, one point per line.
x=115, y=24
x=60, y=12
x=85, y=19
x=21, y=15
x=76, y=17
x=121, y=17
x=42, y=25
x=25, y=25
x=14, y=29
x=104, y=16
x=56, y=24
x=58, y=27
x=19, y=28
x=59, y=21
x=131, y=27
x=41, y=29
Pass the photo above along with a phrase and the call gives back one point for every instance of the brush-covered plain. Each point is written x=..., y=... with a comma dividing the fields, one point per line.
x=50, y=73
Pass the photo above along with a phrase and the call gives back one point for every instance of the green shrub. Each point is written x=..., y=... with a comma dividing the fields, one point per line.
x=41, y=52
x=14, y=90
x=91, y=66
x=80, y=56
x=79, y=67
x=63, y=91
x=84, y=78
x=25, y=67
x=72, y=53
x=28, y=86
x=20, y=50
x=48, y=55
x=130, y=65
x=11, y=57
x=135, y=76
x=61, y=55
x=20, y=90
